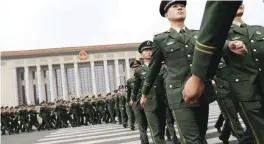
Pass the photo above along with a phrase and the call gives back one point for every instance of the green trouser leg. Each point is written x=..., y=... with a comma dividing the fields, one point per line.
x=131, y=115
x=156, y=121
x=118, y=115
x=220, y=121
x=228, y=108
x=170, y=124
x=253, y=117
x=192, y=123
x=123, y=116
x=111, y=112
x=142, y=124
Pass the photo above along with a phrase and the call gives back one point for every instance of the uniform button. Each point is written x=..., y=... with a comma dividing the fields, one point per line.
x=262, y=38
x=190, y=65
x=170, y=86
x=254, y=50
x=189, y=55
x=154, y=86
x=237, y=80
x=186, y=45
x=259, y=69
x=252, y=41
x=257, y=60
x=221, y=86
x=144, y=77
x=171, y=50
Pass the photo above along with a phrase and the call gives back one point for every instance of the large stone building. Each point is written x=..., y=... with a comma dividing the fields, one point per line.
x=48, y=74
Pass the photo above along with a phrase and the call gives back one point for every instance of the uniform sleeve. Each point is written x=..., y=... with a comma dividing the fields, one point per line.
x=137, y=84
x=216, y=23
x=154, y=67
x=128, y=90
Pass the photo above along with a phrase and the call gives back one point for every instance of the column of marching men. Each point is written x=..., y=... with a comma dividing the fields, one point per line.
x=62, y=114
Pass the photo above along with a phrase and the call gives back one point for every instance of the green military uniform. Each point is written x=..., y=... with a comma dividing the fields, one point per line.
x=216, y=22
x=33, y=118
x=175, y=47
x=227, y=106
x=130, y=87
x=5, y=126
x=110, y=106
x=122, y=106
x=75, y=112
x=116, y=106
x=247, y=77
x=44, y=113
x=100, y=107
x=88, y=111
x=170, y=131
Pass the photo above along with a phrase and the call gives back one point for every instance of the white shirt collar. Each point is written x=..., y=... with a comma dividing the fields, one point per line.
x=237, y=23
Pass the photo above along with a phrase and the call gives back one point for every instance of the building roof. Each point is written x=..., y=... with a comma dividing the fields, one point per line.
x=63, y=50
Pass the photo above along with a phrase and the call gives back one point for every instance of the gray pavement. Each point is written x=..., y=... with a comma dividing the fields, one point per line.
x=102, y=134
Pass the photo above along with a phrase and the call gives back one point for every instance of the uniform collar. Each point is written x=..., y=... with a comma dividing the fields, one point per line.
x=178, y=29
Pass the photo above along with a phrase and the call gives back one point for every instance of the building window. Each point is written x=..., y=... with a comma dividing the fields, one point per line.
x=111, y=75
x=99, y=78
x=36, y=94
x=24, y=95
x=22, y=75
x=34, y=74
x=45, y=73
x=71, y=81
x=86, y=80
x=121, y=67
x=58, y=83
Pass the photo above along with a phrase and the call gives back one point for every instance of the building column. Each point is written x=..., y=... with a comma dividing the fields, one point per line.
x=64, y=82
x=127, y=68
x=117, y=73
x=93, y=78
x=27, y=85
x=106, y=77
x=51, y=83
x=39, y=78
x=77, y=79
x=16, y=103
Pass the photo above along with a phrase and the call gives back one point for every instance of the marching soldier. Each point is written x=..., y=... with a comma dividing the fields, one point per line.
x=116, y=106
x=110, y=107
x=227, y=106
x=216, y=22
x=122, y=105
x=88, y=111
x=175, y=47
x=75, y=112
x=100, y=107
x=154, y=102
x=247, y=77
x=44, y=113
x=33, y=118
x=130, y=87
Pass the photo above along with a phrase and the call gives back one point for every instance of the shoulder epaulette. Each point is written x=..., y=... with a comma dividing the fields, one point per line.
x=194, y=30
x=256, y=25
x=165, y=32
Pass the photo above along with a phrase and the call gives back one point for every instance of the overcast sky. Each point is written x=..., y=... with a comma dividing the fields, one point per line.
x=37, y=24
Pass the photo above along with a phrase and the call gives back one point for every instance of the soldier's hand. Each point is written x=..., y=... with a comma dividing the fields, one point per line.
x=143, y=101
x=131, y=102
x=193, y=89
x=238, y=47
x=213, y=83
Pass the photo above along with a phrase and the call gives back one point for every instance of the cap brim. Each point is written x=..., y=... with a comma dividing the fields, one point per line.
x=165, y=5
x=144, y=48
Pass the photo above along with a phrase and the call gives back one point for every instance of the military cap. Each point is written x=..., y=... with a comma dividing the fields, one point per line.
x=78, y=99
x=93, y=96
x=121, y=87
x=6, y=107
x=145, y=45
x=135, y=63
x=108, y=94
x=115, y=91
x=73, y=98
x=43, y=102
x=11, y=107
x=166, y=4
x=2, y=107
x=87, y=96
x=99, y=95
